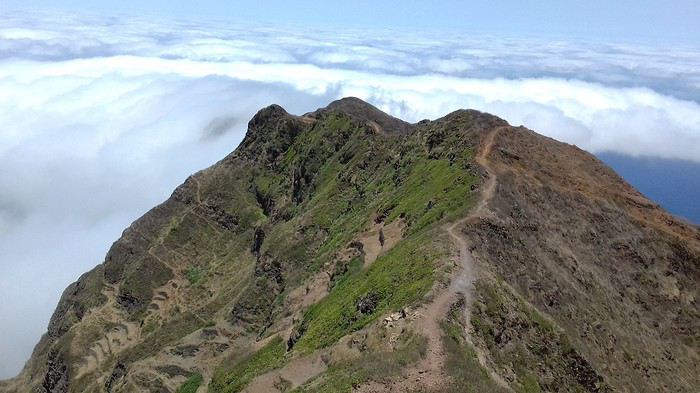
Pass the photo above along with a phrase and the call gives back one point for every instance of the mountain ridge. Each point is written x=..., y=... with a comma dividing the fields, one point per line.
x=345, y=249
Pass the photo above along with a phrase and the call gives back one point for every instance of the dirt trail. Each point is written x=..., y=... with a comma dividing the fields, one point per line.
x=464, y=284
x=429, y=373
x=199, y=187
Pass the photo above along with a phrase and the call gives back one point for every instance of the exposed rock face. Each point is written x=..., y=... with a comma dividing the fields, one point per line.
x=258, y=239
x=56, y=377
x=560, y=276
x=254, y=309
x=368, y=303
x=75, y=301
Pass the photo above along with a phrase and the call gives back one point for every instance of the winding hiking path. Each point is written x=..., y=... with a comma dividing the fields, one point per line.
x=198, y=193
x=429, y=372
x=464, y=284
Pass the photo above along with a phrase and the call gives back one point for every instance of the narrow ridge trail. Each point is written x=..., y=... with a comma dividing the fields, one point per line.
x=464, y=283
x=430, y=371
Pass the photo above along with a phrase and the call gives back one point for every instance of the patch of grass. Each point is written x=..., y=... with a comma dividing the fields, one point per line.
x=349, y=269
x=400, y=277
x=432, y=191
x=268, y=358
x=150, y=327
x=530, y=384
x=378, y=366
x=429, y=191
x=192, y=384
x=193, y=275
x=462, y=364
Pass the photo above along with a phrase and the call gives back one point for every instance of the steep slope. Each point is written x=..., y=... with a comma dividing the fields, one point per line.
x=581, y=272
x=347, y=250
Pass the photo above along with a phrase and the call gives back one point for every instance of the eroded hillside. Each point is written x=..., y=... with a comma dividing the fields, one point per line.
x=346, y=250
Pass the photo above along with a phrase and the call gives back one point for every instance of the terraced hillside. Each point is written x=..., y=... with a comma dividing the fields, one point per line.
x=346, y=250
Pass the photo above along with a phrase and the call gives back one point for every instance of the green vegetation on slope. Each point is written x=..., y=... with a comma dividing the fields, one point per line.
x=421, y=190
x=343, y=176
x=269, y=357
x=468, y=376
x=395, y=280
x=193, y=275
x=192, y=384
x=377, y=366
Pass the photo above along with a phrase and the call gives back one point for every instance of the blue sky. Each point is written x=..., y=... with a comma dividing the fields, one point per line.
x=99, y=98
x=621, y=20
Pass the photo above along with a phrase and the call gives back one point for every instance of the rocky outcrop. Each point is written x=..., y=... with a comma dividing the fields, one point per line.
x=56, y=376
x=75, y=301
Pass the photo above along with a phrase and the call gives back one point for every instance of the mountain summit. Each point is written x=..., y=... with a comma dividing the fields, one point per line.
x=347, y=250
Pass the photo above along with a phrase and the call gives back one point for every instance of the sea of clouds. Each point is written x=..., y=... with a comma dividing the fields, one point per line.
x=101, y=117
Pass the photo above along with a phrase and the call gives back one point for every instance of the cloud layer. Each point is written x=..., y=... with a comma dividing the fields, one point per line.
x=100, y=118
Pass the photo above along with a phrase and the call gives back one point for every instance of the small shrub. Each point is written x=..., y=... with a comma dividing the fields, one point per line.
x=193, y=275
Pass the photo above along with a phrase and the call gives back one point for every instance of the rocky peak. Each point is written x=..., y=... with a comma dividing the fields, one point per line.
x=265, y=121
x=266, y=115
x=270, y=132
x=367, y=113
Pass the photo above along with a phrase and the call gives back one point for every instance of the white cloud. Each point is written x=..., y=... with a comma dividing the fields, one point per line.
x=93, y=109
x=82, y=157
